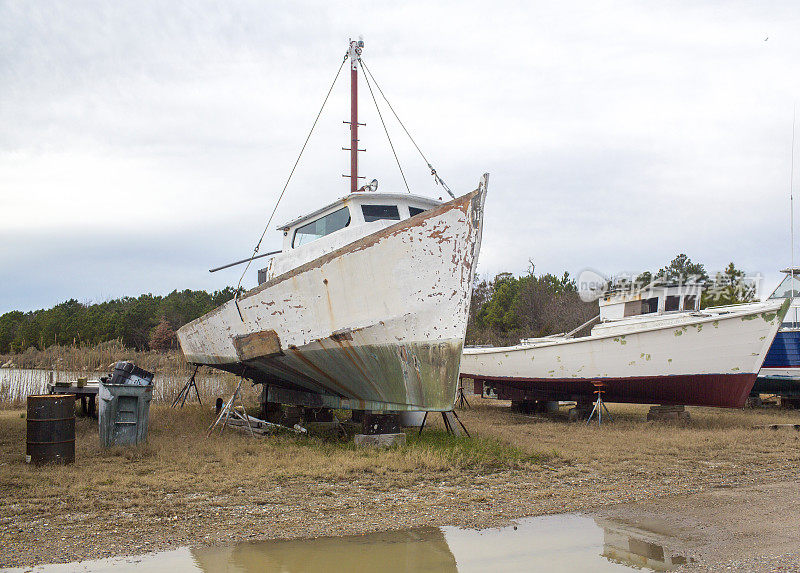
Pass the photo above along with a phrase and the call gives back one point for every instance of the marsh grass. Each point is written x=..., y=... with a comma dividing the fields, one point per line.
x=79, y=358
x=32, y=370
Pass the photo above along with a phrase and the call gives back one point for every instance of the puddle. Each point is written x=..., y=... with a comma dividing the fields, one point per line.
x=567, y=542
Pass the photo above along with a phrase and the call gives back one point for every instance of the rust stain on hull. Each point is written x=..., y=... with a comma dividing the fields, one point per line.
x=299, y=355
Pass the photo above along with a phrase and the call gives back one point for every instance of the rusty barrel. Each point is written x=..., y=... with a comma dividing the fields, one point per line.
x=51, y=429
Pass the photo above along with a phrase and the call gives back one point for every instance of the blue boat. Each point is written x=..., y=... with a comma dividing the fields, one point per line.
x=780, y=373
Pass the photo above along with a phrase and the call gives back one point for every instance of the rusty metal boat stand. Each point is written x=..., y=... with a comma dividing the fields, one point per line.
x=187, y=388
x=461, y=402
x=449, y=423
x=599, y=405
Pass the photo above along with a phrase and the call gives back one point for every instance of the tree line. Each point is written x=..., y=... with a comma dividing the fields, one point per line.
x=144, y=323
x=504, y=309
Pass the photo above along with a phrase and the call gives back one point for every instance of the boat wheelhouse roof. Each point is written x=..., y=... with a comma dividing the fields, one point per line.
x=364, y=197
x=652, y=290
x=652, y=299
x=789, y=287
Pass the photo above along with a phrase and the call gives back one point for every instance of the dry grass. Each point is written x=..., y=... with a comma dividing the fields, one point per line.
x=716, y=447
x=177, y=447
x=182, y=489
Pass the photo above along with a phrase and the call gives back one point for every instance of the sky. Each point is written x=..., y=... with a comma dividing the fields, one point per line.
x=143, y=143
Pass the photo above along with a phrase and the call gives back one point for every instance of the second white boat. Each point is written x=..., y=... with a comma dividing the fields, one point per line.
x=651, y=347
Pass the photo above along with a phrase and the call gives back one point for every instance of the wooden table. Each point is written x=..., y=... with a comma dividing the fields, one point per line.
x=87, y=395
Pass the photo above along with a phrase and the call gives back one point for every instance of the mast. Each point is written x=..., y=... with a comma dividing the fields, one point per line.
x=354, y=53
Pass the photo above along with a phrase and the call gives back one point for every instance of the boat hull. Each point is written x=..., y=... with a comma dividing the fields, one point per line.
x=780, y=373
x=694, y=360
x=379, y=322
x=719, y=390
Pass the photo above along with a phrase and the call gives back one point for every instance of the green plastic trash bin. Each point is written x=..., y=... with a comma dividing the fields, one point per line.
x=123, y=413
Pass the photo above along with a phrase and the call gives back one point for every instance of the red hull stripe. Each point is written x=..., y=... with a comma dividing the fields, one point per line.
x=720, y=390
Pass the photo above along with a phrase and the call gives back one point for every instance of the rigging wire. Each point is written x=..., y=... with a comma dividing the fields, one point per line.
x=425, y=159
x=269, y=221
x=383, y=123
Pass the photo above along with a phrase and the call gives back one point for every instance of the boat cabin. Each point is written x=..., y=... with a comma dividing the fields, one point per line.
x=789, y=287
x=340, y=223
x=654, y=299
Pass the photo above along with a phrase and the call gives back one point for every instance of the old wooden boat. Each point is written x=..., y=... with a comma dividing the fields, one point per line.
x=365, y=307
x=650, y=347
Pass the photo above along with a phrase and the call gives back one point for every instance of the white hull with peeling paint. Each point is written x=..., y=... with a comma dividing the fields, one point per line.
x=708, y=358
x=378, y=322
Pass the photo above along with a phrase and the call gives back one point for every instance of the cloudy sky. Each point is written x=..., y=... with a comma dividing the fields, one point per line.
x=143, y=143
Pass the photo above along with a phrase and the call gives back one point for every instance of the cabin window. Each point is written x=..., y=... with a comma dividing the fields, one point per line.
x=790, y=286
x=690, y=302
x=378, y=212
x=650, y=305
x=633, y=308
x=637, y=307
x=672, y=303
x=415, y=211
x=321, y=227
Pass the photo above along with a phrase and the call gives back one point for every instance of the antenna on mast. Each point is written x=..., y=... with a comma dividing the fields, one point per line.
x=791, y=205
x=354, y=53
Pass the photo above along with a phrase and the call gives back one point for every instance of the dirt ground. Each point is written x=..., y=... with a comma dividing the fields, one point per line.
x=181, y=489
x=751, y=528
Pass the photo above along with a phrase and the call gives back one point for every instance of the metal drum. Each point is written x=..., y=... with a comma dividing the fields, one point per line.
x=51, y=429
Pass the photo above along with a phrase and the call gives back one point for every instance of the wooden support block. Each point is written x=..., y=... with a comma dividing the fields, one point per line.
x=667, y=414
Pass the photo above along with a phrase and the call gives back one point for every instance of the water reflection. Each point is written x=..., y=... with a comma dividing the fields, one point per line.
x=566, y=542
x=636, y=547
x=399, y=551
